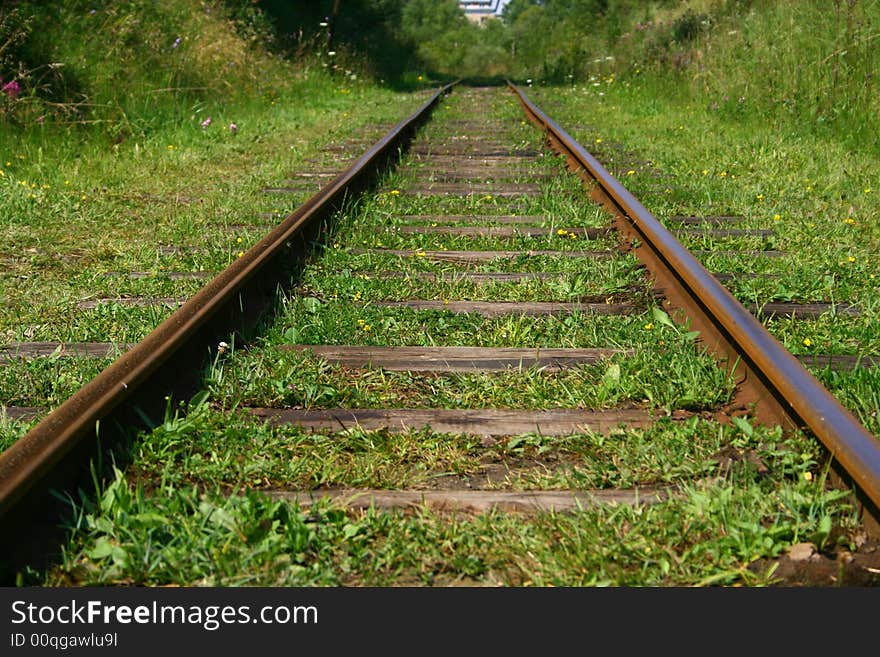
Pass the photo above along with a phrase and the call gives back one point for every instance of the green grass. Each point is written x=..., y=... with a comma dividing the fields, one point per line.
x=189, y=510
x=250, y=539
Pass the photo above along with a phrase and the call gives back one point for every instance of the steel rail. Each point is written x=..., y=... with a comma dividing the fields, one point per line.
x=779, y=387
x=133, y=390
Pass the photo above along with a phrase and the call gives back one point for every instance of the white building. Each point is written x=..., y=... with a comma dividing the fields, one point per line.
x=480, y=10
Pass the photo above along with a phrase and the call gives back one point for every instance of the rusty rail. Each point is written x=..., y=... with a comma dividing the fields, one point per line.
x=770, y=378
x=133, y=392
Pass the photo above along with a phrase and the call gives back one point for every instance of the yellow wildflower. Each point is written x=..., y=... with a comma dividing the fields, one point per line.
x=807, y=342
x=649, y=326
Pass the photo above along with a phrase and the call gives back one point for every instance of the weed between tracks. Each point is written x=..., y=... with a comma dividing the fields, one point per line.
x=179, y=533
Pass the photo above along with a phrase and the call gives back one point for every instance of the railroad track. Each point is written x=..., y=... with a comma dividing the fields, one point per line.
x=474, y=258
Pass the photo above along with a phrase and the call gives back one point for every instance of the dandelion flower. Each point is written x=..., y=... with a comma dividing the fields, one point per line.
x=850, y=259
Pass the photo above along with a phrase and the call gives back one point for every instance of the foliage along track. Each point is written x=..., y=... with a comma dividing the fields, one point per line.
x=475, y=319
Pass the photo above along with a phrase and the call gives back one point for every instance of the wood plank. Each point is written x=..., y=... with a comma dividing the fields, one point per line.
x=504, y=231
x=314, y=174
x=467, y=276
x=479, y=422
x=476, y=501
x=752, y=253
x=426, y=177
x=472, y=158
x=802, y=310
x=494, y=190
x=472, y=151
x=467, y=167
x=483, y=256
x=838, y=362
x=172, y=275
x=727, y=232
x=22, y=413
x=288, y=190
x=502, y=308
x=62, y=349
x=443, y=219
x=455, y=359
x=718, y=220
x=741, y=275
x=243, y=228
x=171, y=302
